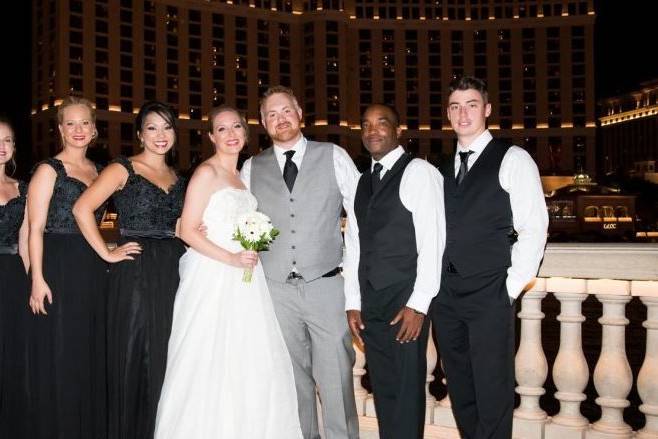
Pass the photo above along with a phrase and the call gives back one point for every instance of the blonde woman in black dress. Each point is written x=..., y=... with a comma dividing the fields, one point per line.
x=143, y=278
x=14, y=289
x=67, y=379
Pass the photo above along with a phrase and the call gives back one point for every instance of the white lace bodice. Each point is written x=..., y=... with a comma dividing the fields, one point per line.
x=220, y=215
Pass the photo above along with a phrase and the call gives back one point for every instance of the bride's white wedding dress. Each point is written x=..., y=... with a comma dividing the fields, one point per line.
x=229, y=374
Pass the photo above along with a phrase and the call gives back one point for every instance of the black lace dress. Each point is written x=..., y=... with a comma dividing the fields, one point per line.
x=14, y=293
x=67, y=349
x=140, y=303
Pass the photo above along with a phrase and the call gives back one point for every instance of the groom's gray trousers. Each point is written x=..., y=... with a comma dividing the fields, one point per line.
x=314, y=325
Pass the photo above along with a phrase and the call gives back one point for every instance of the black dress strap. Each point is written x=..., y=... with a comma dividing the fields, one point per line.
x=54, y=163
x=22, y=188
x=126, y=163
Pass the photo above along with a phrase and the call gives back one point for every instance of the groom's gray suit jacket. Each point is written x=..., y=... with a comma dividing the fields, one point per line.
x=308, y=218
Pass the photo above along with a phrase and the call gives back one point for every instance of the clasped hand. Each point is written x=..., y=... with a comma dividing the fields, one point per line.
x=410, y=327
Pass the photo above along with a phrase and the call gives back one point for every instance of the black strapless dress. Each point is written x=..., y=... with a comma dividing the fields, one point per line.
x=67, y=346
x=140, y=303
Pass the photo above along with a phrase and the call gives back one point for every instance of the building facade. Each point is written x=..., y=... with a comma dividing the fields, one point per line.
x=629, y=130
x=337, y=55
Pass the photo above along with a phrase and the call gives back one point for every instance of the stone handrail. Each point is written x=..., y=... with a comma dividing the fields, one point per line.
x=614, y=274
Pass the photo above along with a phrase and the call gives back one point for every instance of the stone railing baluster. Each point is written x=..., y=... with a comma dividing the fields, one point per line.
x=360, y=393
x=531, y=368
x=432, y=358
x=570, y=372
x=647, y=380
x=613, y=378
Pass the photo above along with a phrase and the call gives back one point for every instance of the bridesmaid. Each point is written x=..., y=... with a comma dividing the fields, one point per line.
x=67, y=380
x=148, y=195
x=14, y=289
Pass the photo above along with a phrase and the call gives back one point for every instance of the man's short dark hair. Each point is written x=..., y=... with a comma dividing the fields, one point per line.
x=394, y=112
x=469, y=83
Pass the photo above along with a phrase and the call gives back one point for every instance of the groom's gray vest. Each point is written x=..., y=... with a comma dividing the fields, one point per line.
x=308, y=218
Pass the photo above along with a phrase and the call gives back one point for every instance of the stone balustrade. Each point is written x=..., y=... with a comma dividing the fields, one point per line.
x=613, y=274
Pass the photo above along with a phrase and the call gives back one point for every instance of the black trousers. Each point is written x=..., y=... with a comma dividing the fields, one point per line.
x=397, y=370
x=474, y=325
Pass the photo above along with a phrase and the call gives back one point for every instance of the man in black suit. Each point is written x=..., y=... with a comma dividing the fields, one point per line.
x=496, y=223
x=392, y=271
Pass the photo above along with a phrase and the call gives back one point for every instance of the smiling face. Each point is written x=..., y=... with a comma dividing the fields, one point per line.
x=281, y=117
x=468, y=112
x=77, y=126
x=157, y=134
x=228, y=134
x=7, y=147
x=379, y=131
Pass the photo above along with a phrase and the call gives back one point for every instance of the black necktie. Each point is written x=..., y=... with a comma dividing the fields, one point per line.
x=375, y=178
x=463, y=166
x=289, y=170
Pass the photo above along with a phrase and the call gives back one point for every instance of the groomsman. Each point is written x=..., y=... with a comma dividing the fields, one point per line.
x=392, y=271
x=303, y=186
x=496, y=223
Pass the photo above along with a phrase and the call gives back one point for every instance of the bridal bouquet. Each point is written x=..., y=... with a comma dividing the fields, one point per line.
x=254, y=231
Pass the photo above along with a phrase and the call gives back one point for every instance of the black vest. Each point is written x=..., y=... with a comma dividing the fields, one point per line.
x=479, y=227
x=386, y=230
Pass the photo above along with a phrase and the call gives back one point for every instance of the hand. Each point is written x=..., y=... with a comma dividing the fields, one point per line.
x=244, y=259
x=412, y=323
x=40, y=291
x=123, y=252
x=356, y=324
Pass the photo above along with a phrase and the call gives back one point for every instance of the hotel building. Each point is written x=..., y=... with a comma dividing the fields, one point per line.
x=337, y=55
x=629, y=129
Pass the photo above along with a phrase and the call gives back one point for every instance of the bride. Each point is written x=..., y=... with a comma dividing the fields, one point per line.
x=229, y=375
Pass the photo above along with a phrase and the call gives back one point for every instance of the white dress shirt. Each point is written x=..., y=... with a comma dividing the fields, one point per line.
x=421, y=192
x=347, y=176
x=519, y=177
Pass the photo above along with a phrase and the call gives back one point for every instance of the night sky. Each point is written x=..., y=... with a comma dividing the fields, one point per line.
x=625, y=55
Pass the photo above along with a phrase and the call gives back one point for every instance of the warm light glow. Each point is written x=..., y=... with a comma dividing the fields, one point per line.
x=44, y=107
x=566, y=125
x=446, y=128
x=34, y=111
x=320, y=122
x=204, y=118
x=540, y=15
x=542, y=125
x=299, y=13
x=494, y=127
x=403, y=126
x=467, y=18
x=424, y=127
x=399, y=17
x=590, y=12
x=591, y=125
x=629, y=115
x=58, y=102
x=184, y=116
x=492, y=17
x=375, y=17
x=344, y=123
x=565, y=14
x=517, y=126
x=252, y=121
x=116, y=108
x=355, y=127
x=135, y=110
x=422, y=17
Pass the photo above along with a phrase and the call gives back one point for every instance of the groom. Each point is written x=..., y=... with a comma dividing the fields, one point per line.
x=302, y=186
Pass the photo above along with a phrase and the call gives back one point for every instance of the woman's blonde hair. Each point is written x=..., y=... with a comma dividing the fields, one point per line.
x=75, y=100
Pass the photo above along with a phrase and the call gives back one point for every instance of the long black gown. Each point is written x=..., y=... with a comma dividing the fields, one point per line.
x=67, y=349
x=14, y=293
x=140, y=303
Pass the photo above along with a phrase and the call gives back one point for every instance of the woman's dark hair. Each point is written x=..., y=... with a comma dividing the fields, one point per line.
x=12, y=161
x=159, y=108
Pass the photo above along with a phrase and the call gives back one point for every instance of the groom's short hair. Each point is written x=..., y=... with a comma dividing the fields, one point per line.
x=275, y=89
